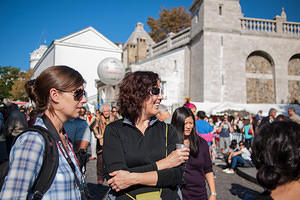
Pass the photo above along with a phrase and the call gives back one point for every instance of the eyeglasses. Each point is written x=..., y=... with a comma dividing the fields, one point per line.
x=78, y=93
x=155, y=91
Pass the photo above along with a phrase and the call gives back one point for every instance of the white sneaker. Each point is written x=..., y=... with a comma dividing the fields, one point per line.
x=229, y=172
x=225, y=170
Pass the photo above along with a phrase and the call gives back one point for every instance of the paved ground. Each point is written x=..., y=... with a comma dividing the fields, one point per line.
x=228, y=186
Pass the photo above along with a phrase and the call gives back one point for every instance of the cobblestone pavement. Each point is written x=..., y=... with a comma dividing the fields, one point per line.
x=228, y=186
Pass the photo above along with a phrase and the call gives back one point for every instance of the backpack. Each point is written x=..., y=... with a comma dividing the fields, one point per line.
x=48, y=169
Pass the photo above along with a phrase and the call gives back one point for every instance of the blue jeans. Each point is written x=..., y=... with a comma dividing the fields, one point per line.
x=235, y=160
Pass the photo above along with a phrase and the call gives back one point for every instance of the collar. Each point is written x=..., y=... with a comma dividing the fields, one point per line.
x=128, y=121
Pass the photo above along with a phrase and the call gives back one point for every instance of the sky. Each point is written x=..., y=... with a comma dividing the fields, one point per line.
x=26, y=24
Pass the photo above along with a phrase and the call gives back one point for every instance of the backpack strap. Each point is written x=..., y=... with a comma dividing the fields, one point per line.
x=50, y=164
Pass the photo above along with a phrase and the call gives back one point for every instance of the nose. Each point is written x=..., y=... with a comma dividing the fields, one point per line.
x=84, y=99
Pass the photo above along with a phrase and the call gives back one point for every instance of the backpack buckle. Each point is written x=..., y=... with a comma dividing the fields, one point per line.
x=37, y=195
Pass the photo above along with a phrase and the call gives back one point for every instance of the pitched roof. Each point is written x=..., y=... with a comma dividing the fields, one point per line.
x=139, y=32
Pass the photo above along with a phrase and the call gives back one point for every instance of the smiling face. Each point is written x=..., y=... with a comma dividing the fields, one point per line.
x=188, y=125
x=151, y=104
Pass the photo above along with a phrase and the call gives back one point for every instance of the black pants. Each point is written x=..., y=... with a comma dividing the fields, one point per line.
x=9, y=143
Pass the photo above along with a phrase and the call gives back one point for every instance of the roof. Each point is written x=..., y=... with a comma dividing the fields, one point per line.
x=139, y=32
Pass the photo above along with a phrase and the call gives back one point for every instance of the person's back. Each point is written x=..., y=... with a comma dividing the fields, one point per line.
x=14, y=125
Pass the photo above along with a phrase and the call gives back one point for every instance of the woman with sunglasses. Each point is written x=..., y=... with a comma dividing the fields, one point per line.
x=58, y=94
x=139, y=151
x=199, y=166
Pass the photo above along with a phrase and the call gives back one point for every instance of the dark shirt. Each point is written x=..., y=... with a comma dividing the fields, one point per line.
x=225, y=131
x=126, y=148
x=194, y=174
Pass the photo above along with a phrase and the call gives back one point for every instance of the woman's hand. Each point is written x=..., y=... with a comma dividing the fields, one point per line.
x=120, y=180
x=176, y=158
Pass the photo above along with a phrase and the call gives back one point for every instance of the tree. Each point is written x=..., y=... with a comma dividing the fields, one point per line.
x=18, y=90
x=170, y=20
x=8, y=75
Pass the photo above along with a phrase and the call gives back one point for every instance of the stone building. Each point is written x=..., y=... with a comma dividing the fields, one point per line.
x=226, y=57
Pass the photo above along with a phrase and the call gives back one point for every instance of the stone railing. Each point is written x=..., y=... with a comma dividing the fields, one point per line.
x=291, y=28
x=276, y=26
x=173, y=41
x=258, y=25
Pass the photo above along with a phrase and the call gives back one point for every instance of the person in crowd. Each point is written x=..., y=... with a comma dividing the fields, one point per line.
x=191, y=106
x=14, y=125
x=32, y=117
x=114, y=113
x=59, y=94
x=243, y=157
x=79, y=135
x=225, y=129
x=90, y=119
x=270, y=118
x=203, y=128
x=163, y=114
x=237, y=125
x=198, y=169
x=278, y=162
x=101, y=122
x=293, y=116
x=82, y=113
x=3, y=154
x=248, y=133
x=213, y=147
x=232, y=148
x=282, y=117
x=139, y=151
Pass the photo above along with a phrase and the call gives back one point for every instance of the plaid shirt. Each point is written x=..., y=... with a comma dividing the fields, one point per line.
x=26, y=159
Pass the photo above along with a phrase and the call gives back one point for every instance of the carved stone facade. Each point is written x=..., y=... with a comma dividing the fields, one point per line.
x=229, y=58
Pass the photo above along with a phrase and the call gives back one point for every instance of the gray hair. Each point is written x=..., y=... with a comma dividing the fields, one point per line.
x=162, y=108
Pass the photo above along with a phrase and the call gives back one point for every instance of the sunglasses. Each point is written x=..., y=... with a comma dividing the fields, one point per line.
x=155, y=91
x=78, y=93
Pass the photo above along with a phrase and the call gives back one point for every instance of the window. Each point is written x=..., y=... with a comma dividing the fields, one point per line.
x=220, y=9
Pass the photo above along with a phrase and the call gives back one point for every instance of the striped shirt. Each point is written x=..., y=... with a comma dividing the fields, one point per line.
x=26, y=159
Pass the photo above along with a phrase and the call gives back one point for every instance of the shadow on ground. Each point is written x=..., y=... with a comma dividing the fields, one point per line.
x=243, y=192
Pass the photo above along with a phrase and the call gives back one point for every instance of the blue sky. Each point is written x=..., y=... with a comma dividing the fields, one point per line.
x=25, y=24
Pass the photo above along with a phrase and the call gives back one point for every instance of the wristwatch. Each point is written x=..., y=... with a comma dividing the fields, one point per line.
x=213, y=193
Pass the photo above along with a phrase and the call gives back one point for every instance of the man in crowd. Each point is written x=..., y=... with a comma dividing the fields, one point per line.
x=293, y=116
x=163, y=114
x=243, y=157
x=15, y=124
x=270, y=118
x=225, y=129
x=79, y=134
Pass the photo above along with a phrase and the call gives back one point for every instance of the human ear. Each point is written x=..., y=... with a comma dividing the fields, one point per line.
x=54, y=95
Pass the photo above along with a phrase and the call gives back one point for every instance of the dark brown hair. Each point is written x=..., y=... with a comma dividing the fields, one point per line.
x=58, y=77
x=134, y=90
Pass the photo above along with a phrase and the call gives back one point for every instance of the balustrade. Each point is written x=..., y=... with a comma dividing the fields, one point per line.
x=258, y=25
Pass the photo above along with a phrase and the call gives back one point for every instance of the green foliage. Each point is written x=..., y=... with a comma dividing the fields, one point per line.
x=18, y=91
x=8, y=75
x=170, y=20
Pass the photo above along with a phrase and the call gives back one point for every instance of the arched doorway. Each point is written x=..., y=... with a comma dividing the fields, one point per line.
x=260, y=86
x=294, y=79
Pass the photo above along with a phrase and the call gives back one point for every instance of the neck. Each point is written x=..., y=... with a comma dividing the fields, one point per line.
x=288, y=191
x=142, y=123
x=57, y=121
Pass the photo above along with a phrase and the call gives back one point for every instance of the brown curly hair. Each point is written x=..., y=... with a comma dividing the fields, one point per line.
x=134, y=91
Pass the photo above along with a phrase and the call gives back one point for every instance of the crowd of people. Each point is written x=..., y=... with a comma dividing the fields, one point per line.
x=141, y=149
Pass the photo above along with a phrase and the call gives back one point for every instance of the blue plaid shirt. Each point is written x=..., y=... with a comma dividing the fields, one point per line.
x=26, y=159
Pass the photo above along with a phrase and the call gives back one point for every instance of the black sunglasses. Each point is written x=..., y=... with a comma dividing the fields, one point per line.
x=155, y=91
x=78, y=93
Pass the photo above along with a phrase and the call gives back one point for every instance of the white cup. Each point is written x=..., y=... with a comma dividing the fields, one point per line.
x=180, y=146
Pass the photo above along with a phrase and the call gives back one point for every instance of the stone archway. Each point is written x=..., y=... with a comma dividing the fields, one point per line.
x=294, y=79
x=260, y=86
